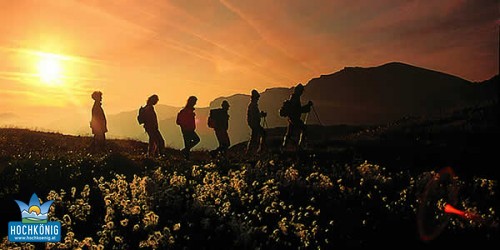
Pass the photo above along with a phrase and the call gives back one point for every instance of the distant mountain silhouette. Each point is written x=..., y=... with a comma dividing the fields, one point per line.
x=388, y=92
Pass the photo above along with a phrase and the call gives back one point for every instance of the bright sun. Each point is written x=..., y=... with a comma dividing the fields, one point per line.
x=49, y=69
x=35, y=209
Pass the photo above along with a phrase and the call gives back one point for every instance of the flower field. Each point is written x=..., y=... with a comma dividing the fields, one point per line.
x=124, y=200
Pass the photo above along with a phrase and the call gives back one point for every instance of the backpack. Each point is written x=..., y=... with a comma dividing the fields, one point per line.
x=211, y=122
x=214, y=118
x=211, y=119
x=140, y=116
x=181, y=118
x=285, y=108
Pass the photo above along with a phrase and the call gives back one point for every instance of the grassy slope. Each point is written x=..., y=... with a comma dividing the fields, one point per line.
x=325, y=197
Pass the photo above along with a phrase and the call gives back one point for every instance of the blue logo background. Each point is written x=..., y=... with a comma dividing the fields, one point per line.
x=34, y=226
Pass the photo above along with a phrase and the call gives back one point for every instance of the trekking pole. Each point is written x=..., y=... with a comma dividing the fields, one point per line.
x=302, y=131
x=249, y=142
x=317, y=117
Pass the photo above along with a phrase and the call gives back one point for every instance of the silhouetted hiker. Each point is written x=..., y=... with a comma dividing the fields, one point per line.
x=185, y=119
x=148, y=116
x=254, y=115
x=294, y=112
x=98, y=123
x=219, y=121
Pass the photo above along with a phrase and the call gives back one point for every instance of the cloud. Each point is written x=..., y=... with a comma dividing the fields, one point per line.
x=322, y=34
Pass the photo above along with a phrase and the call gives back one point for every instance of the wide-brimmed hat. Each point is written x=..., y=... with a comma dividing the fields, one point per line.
x=255, y=94
x=299, y=88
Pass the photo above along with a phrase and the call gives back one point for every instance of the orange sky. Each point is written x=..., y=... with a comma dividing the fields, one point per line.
x=130, y=49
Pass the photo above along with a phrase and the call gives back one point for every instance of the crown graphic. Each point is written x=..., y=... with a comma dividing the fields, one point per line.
x=35, y=211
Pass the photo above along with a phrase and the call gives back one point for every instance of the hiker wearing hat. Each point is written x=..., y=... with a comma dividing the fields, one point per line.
x=294, y=113
x=254, y=115
x=219, y=121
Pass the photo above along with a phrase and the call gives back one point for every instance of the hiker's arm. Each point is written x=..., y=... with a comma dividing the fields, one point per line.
x=306, y=108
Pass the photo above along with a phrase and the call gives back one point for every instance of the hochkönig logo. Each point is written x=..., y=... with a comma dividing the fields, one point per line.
x=34, y=225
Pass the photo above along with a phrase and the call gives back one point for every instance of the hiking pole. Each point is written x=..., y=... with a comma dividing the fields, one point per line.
x=317, y=117
x=302, y=131
x=264, y=122
x=249, y=143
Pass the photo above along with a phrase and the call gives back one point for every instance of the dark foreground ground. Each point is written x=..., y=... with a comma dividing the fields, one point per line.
x=360, y=186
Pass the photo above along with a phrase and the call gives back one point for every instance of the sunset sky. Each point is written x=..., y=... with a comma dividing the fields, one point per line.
x=54, y=53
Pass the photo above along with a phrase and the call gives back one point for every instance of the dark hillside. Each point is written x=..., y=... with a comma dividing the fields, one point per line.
x=353, y=186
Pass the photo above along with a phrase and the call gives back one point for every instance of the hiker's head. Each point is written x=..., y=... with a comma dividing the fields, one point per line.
x=97, y=95
x=191, y=101
x=225, y=104
x=153, y=100
x=255, y=94
x=299, y=89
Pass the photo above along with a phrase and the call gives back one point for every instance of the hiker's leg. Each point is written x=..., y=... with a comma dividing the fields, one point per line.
x=223, y=139
x=262, y=139
x=152, y=149
x=91, y=147
x=161, y=142
x=154, y=146
x=195, y=139
x=288, y=133
x=254, y=137
x=227, y=142
x=185, y=136
x=218, y=135
x=291, y=129
x=99, y=141
x=302, y=129
x=150, y=143
x=103, y=141
x=154, y=142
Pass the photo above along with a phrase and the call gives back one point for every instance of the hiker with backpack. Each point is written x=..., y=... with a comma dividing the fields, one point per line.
x=254, y=115
x=293, y=110
x=98, y=123
x=147, y=117
x=219, y=121
x=186, y=120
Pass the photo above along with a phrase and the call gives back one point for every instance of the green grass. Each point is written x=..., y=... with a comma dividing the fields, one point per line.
x=33, y=220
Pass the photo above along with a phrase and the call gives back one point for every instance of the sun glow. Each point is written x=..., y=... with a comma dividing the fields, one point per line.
x=49, y=69
x=35, y=209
